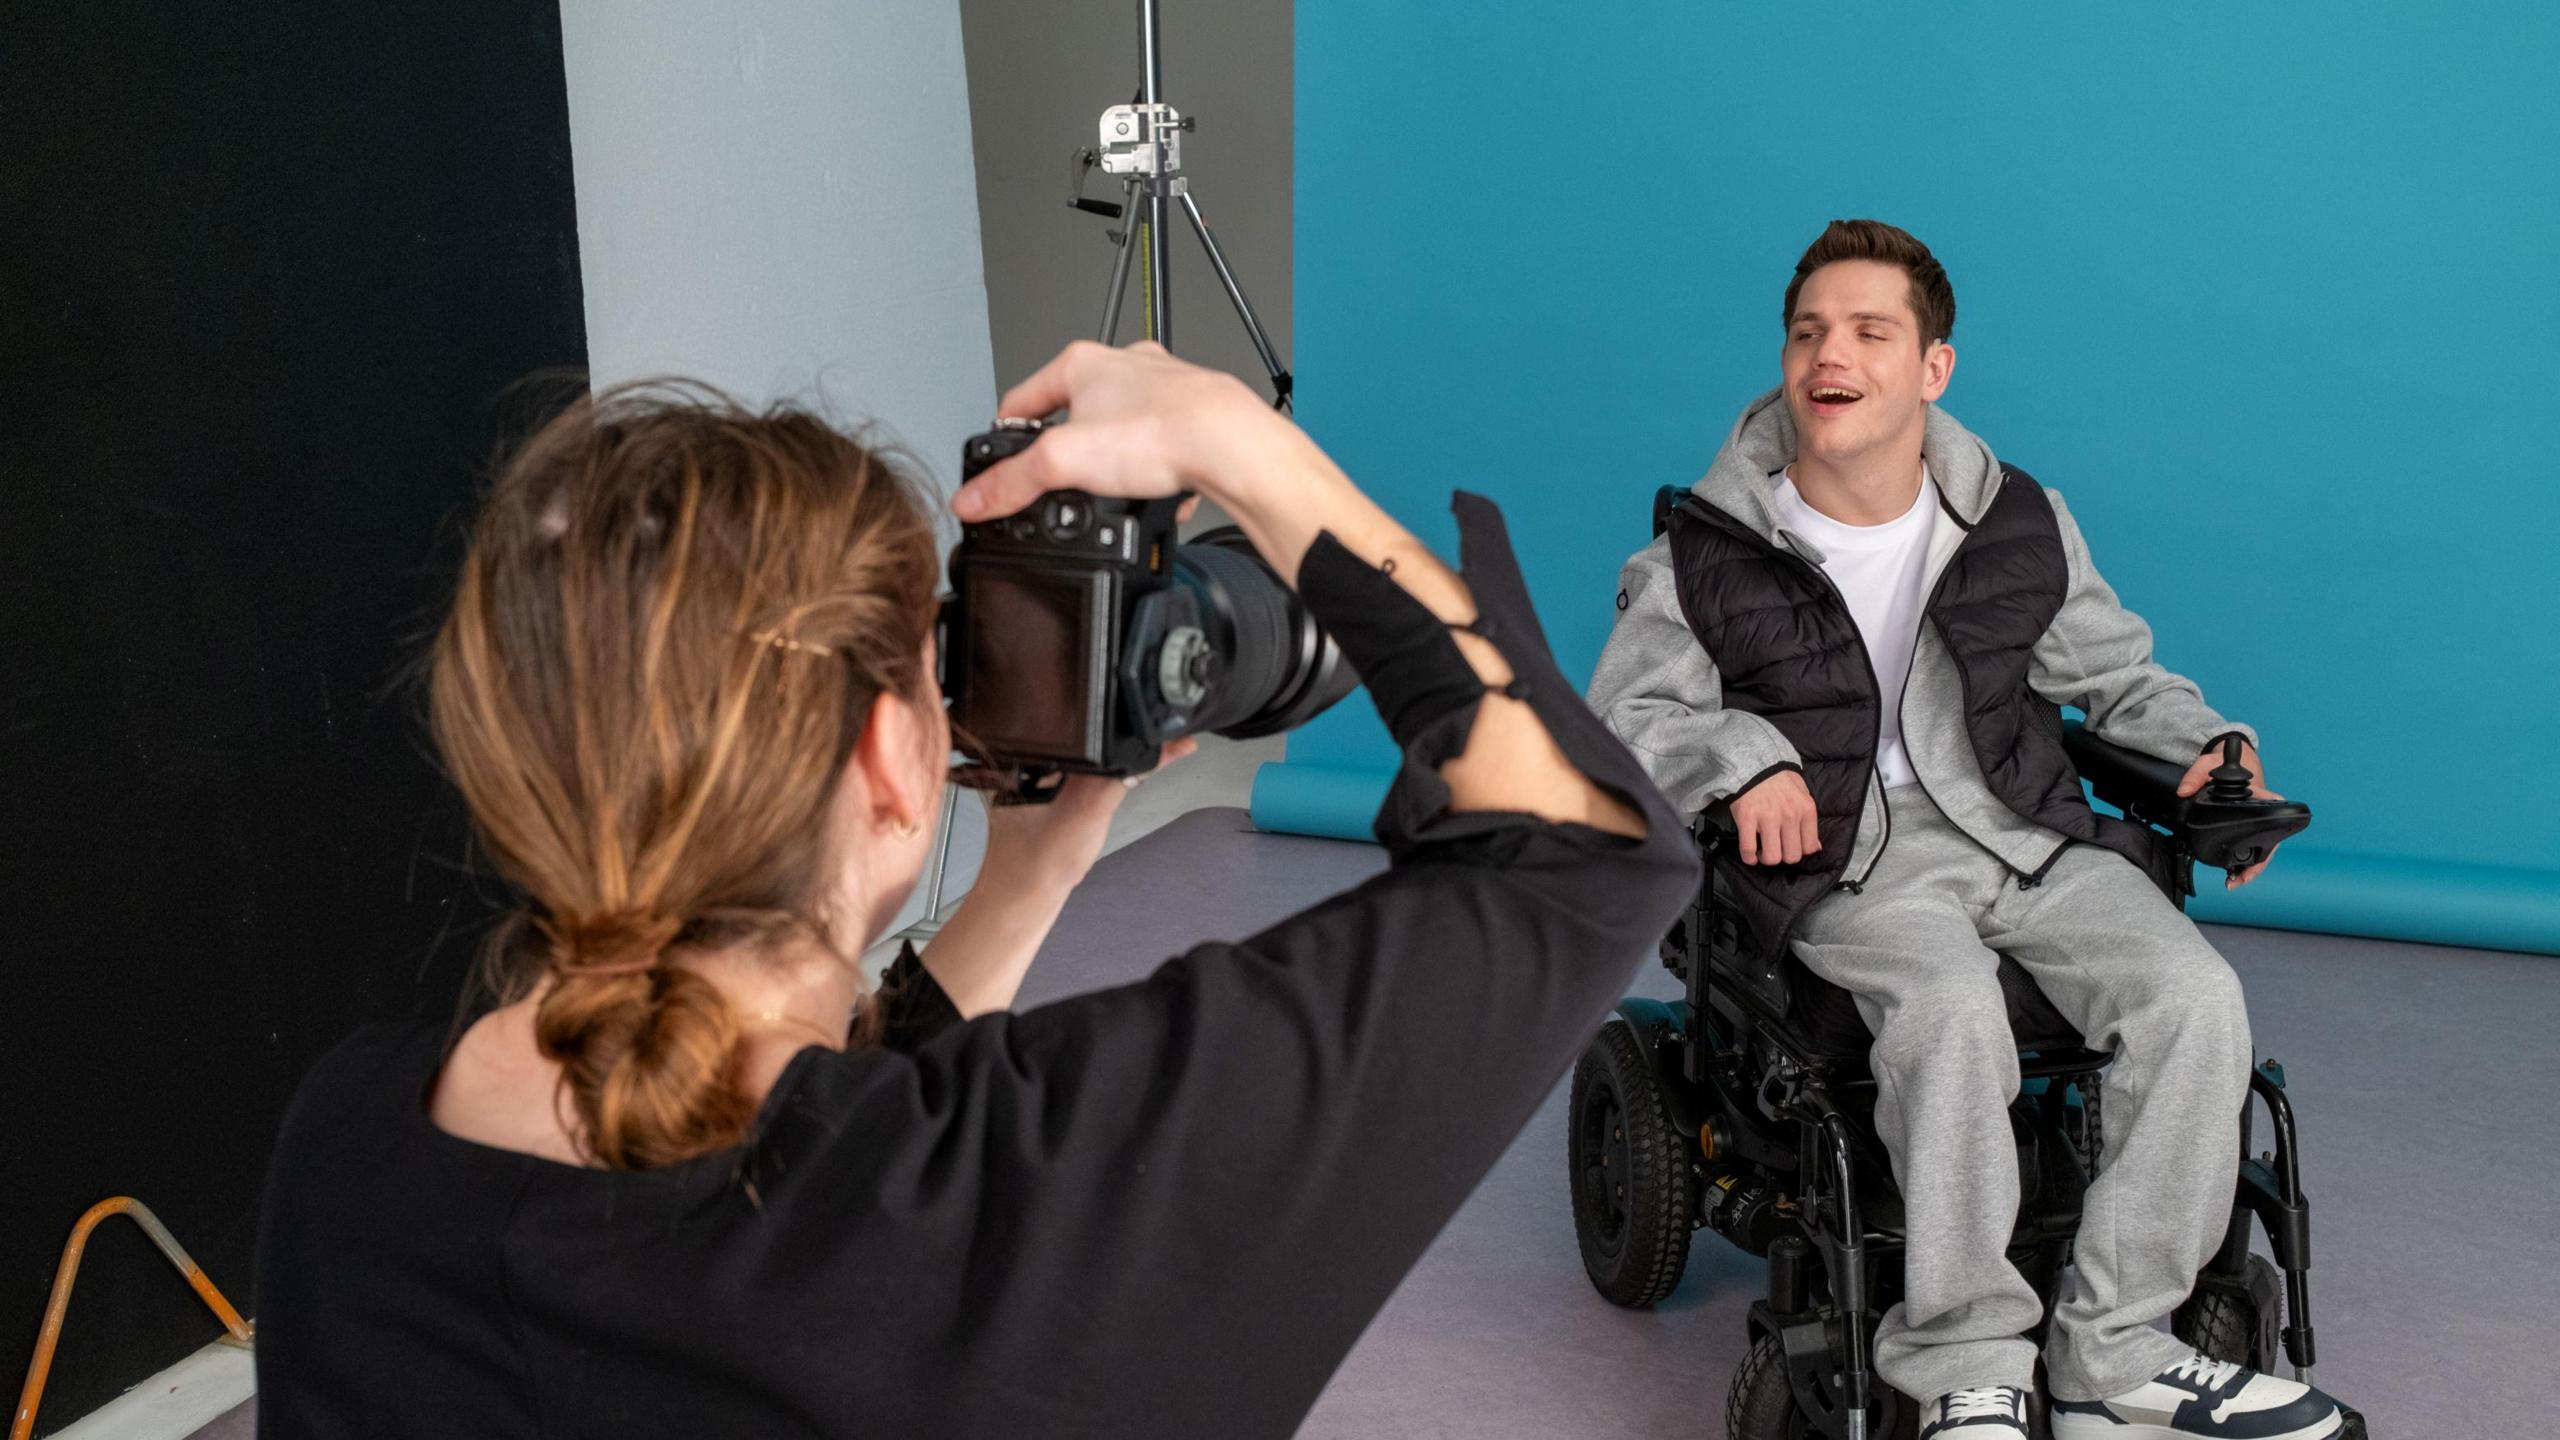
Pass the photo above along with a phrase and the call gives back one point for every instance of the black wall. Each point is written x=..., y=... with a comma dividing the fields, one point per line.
x=263, y=278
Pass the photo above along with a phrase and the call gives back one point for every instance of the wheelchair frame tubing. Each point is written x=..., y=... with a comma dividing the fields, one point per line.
x=1843, y=1234
x=2271, y=1189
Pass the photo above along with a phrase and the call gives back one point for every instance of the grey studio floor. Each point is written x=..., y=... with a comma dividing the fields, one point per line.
x=2424, y=1077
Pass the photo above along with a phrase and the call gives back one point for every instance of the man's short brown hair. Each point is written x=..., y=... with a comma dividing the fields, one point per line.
x=1933, y=299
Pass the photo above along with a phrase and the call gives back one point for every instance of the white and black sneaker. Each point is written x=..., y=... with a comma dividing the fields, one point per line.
x=1986, y=1412
x=2197, y=1397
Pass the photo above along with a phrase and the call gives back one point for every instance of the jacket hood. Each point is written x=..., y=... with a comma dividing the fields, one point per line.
x=1763, y=442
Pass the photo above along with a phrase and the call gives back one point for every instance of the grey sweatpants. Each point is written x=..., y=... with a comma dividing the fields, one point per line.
x=1919, y=948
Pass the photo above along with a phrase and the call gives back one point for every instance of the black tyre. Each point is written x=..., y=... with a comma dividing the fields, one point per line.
x=1635, y=1188
x=2236, y=1319
x=1762, y=1405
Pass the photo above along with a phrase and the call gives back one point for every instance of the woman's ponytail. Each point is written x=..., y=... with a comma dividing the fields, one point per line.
x=647, y=1050
x=673, y=622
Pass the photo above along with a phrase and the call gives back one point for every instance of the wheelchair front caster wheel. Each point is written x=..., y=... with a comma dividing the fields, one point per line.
x=2237, y=1318
x=1762, y=1404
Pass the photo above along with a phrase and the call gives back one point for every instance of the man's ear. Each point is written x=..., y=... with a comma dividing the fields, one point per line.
x=1936, y=369
x=885, y=754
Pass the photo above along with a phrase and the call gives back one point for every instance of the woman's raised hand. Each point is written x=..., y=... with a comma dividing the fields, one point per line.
x=1146, y=425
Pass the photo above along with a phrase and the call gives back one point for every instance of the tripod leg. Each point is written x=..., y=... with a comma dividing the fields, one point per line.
x=942, y=855
x=1159, y=276
x=1244, y=307
x=1120, y=266
x=1155, y=285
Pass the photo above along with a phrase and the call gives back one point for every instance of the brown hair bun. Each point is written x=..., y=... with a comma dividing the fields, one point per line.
x=673, y=621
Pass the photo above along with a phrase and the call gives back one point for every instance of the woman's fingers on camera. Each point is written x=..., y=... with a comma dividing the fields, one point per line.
x=999, y=490
x=1060, y=460
x=1126, y=457
x=1169, y=754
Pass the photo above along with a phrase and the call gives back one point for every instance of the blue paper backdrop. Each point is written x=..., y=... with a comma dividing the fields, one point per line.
x=2271, y=293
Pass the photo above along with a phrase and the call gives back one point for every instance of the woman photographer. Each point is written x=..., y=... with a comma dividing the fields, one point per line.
x=688, y=1177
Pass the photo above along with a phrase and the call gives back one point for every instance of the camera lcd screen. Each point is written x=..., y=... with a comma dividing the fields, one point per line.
x=1029, y=671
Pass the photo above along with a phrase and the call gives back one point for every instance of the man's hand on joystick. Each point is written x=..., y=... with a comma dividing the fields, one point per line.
x=2228, y=770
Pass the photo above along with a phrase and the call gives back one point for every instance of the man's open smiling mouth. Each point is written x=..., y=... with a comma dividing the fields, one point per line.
x=1832, y=399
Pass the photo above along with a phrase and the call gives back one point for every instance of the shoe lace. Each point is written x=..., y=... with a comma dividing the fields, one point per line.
x=1989, y=1400
x=2210, y=1373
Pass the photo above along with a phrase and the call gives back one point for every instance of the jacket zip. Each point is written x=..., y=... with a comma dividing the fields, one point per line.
x=1936, y=589
x=2027, y=880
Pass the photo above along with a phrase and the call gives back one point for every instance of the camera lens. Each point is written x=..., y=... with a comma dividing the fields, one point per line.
x=1277, y=667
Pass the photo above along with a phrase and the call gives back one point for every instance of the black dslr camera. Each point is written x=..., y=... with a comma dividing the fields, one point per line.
x=1081, y=636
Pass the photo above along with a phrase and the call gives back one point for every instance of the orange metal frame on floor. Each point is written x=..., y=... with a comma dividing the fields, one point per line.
x=41, y=1363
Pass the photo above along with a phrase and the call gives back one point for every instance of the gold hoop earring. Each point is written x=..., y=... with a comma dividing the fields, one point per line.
x=906, y=829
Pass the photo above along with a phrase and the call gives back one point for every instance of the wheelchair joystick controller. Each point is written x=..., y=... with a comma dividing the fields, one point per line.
x=2229, y=783
x=2228, y=825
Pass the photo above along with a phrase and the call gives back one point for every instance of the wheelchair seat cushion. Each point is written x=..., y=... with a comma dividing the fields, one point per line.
x=1824, y=1019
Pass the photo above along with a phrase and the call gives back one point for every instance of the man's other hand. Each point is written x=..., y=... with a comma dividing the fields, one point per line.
x=1775, y=821
x=2203, y=769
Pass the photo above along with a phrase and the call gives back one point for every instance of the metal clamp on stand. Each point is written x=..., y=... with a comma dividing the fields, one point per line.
x=1141, y=142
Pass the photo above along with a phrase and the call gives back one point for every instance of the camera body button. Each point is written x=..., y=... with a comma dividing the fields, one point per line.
x=1066, y=518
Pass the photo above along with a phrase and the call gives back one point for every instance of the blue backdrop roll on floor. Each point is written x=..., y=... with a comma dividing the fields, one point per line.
x=2268, y=292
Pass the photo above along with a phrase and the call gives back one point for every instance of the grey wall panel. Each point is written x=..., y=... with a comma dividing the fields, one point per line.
x=778, y=198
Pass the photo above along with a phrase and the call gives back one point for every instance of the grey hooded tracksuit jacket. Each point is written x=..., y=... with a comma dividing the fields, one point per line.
x=1917, y=940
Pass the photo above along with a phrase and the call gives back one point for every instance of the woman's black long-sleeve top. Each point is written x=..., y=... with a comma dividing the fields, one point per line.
x=1166, y=1209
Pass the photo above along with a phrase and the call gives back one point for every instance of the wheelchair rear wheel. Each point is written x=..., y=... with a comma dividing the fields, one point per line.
x=1635, y=1190
x=1762, y=1405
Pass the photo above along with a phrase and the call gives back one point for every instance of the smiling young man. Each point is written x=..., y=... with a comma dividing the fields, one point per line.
x=1858, y=634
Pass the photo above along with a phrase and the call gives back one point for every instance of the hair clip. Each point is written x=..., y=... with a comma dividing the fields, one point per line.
x=784, y=642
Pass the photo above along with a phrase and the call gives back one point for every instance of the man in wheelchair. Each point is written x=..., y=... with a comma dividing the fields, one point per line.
x=1848, y=648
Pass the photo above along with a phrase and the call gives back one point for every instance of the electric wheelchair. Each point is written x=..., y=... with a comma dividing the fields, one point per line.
x=1746, y=1107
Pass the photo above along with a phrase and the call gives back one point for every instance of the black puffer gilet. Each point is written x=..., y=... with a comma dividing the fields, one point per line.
x=1790, y=652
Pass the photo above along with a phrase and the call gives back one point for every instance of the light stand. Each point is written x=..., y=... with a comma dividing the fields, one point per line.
x=1141, y=143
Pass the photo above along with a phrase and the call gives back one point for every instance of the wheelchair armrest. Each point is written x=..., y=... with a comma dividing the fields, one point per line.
x=2126, y=779
x=2227, y=835
x=1714, y=821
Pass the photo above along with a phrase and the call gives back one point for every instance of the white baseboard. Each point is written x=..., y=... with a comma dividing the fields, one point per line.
x=175, y=1403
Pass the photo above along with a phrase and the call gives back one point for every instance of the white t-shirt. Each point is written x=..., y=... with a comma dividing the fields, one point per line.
x=1879, y=569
